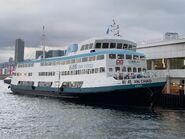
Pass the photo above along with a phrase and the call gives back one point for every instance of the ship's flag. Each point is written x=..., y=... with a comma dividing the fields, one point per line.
x=107, y=32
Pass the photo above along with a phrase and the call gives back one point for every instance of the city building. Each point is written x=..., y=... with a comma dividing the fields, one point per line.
x=19, y=50
x=167, y=58
x=6, y=68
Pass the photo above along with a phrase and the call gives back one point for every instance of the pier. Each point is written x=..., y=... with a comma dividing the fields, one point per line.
x=171, y=101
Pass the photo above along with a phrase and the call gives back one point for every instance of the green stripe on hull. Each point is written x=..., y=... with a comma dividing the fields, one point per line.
x=113, y=88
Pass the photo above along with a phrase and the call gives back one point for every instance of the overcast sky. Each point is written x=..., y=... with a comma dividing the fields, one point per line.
x=71, y=21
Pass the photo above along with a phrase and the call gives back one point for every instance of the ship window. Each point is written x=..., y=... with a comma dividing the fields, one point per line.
x=110, y=70
x=100, y=57
x=96, y=70
x=66, y=72
x=91, y=46
x=83, y=71
x=125, y=46
x=133, y=47
x=112, y=45
x=117, y=69
x=83, y=47
x=62, y=73
x=135, y=57
x=92, y=70
x=84, y=59
x=129, y=69
x=142, y=57
x=105, y=45
x=45, y=84
x=120, y=56
x=124, y=69
x=130, y=47
x=128, y=56
x=92, y=58
x=139, y=69
x=119, y=46
x=88, y=71
x=86, y=47
x=112, y=56
x=78, y=71
x=30, y=74
x=98, y=45
x=134, y=69
x=144, y=70
x=102, y=69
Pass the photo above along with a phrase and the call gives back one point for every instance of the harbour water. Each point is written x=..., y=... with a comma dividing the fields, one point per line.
x=29, y=117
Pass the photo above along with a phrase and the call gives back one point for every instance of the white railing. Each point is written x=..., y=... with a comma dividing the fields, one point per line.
x=160, y=40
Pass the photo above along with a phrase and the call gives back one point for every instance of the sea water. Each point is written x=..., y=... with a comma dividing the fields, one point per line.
x=30, y=117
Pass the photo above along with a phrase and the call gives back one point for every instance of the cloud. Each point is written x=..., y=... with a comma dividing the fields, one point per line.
x=73, y=21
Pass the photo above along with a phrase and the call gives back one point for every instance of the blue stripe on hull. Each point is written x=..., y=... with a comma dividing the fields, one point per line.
x=112, y=88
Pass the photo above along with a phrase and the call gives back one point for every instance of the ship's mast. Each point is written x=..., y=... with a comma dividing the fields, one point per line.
x=43, y=42
x=114, y=28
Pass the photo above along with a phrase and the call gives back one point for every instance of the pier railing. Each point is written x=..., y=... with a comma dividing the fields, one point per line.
x=180, y=37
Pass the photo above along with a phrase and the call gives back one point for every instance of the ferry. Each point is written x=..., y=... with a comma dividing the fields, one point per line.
x=105, y=69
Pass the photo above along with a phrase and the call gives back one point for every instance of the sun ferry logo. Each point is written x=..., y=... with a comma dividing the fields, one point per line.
x=77, y=67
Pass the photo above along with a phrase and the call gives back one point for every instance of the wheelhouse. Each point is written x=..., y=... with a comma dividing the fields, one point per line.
x=99, y=44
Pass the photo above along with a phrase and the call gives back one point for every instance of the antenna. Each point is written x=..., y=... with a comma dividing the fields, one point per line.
x=114, y=29
x=43, y=42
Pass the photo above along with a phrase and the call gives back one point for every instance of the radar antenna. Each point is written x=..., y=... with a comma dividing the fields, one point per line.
x=43, y=42
x=114, y=28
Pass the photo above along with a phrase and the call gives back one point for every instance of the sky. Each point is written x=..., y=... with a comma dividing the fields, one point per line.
x=72, y=21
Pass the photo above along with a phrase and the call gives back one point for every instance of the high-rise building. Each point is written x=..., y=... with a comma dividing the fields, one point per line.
x=19, y=50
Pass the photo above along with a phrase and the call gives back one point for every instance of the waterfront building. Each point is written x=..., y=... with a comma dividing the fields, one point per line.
x=166, y=57
x=19, y=50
